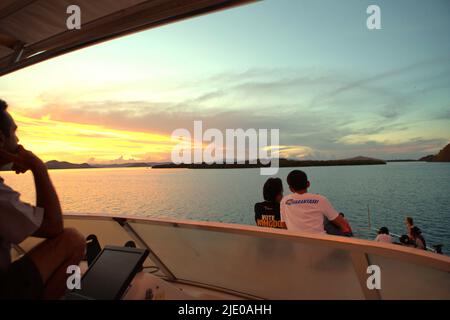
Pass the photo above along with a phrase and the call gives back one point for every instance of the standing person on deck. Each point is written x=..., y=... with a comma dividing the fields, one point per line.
x=42, y=272
x=267, y=213
x=305, y=212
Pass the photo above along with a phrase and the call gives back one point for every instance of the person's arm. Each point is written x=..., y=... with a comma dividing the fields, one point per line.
x=334, y=216
x=341, y=224
x=46, y=196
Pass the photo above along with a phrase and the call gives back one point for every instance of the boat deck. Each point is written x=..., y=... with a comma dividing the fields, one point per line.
x=230, y=261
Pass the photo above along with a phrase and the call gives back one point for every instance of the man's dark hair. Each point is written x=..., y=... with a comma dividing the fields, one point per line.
x=5, y=123
x=272, y=188
x=342, y=214
x=297, y=180
x=383, y=230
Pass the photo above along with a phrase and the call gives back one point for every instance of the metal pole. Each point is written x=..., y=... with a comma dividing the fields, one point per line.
x=152, y=255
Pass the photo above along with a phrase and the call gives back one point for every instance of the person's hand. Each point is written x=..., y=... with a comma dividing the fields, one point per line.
x=23, y=160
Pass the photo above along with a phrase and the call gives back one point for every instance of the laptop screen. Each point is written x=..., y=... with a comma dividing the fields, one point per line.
x=111, y=273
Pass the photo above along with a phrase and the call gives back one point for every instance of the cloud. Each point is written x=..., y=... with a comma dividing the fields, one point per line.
x=383, y=76
x=442, y=113
x=319, y=113
x=410, y=149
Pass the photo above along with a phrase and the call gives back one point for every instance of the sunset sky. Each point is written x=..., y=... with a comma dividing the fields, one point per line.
x=309, y=68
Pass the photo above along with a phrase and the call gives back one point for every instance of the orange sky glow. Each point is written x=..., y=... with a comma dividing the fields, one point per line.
x=75, y=142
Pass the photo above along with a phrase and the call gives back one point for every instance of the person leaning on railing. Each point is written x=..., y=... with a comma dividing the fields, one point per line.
x=40, y=273
x=305, y=212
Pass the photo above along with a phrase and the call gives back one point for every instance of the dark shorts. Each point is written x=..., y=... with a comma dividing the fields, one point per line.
x=21, y=281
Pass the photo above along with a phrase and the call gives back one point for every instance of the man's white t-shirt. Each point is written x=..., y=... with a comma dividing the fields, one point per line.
x=18, y=220
x=305, y=212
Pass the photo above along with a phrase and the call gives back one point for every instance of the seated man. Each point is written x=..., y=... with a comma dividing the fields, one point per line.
x=41, y=273
x=305, y=212
x=267, y=213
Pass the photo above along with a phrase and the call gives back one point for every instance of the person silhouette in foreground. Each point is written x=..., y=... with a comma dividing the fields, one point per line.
x=305, y=212
x=40, y=273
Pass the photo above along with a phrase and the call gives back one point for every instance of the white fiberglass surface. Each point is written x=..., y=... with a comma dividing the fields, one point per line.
x=401, y=280
x=273, y=268
x=108, y=231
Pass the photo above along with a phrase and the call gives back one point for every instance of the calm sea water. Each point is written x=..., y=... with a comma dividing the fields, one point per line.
x=392, y=191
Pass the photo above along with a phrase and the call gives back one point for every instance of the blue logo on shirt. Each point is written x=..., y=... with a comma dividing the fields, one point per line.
x=310, y=201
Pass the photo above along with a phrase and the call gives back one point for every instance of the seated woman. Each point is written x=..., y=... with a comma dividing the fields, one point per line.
x=418, y=239
x=409, y=223
x=267, y=213
x=383, y=235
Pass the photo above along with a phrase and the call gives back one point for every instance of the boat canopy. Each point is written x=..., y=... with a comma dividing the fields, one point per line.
x=32, y=31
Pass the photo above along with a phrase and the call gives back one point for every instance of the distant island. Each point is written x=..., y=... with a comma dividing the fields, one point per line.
x=54, y=164
x=403, y=160
x=282, y=163
x=442, y=156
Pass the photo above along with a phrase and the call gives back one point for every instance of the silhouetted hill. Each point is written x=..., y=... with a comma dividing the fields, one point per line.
x=283, y=163
x=361, y=158
x=403, y=160
x=427, y=158
x=122, y=165
x=442, y=156
x=54, y=164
